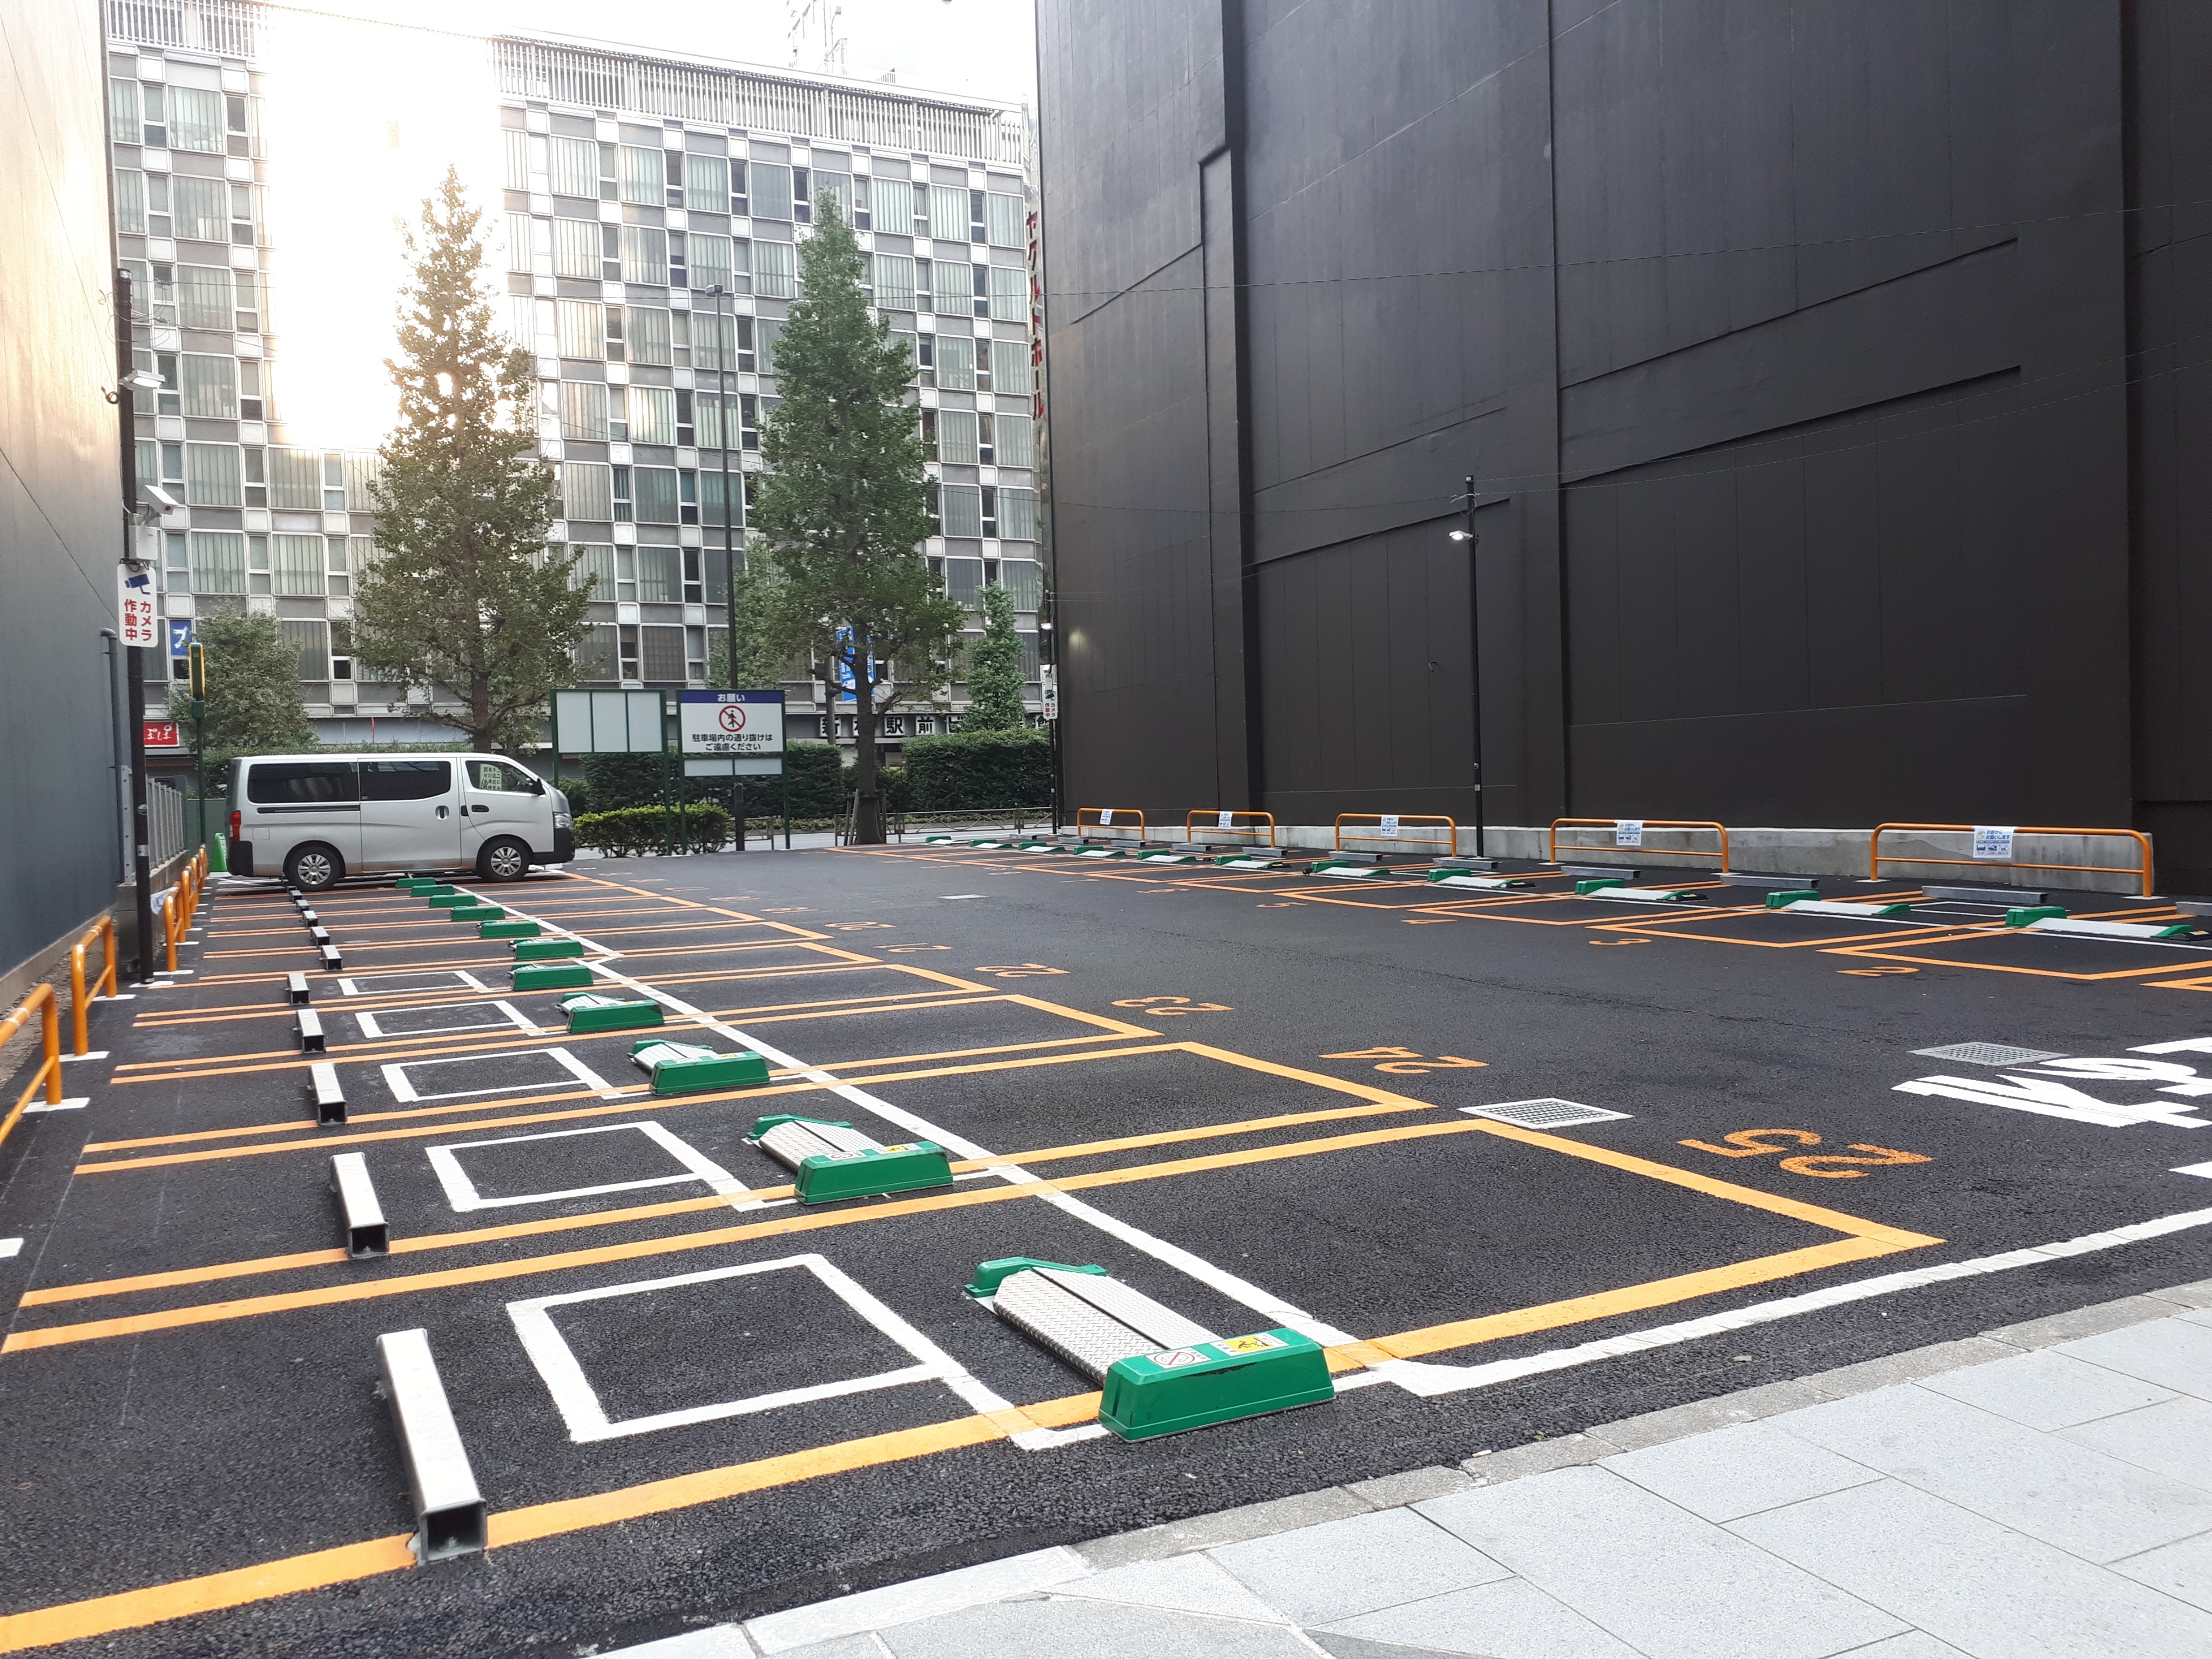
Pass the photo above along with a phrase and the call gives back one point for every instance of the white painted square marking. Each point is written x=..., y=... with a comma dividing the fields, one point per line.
x=404, y=1090
x=461, y=1193
x=579, y=1403
x=430, y=979
x=372, y=1025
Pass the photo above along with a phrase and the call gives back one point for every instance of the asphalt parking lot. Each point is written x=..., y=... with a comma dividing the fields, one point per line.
x=1522, y=1161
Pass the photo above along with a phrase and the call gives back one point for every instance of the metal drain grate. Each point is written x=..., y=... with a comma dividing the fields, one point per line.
x=1987, y=1053
x=1542, y=1114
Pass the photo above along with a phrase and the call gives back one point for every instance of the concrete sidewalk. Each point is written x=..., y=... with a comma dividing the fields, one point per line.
x=2043, y=1490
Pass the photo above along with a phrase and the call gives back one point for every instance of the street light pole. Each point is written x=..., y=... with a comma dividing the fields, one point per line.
x=134, y=657
x=1473, y=648
x=725, y=343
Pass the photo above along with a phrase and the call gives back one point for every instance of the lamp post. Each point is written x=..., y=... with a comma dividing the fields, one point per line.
x=1467, y=534
x=725, y=343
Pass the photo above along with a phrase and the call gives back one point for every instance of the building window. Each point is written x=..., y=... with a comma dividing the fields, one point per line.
x=1017, y=514
x=587, y=492
x=1009, y=294
x=312, y=640
x=709, y=258
x=775, y=270
x=1016, y=439
x=583, y=328
x=963, y=509
x=596, y=653
x=517, y=238
x=576, y=248
x=622, y=504
x=664, y=652
x=342, y=652
x=706, y=184
x=295, y=480
x=211, y=475
x=196, y=120
x=1010, y=367
x=956, y=442
x=211, y=386
x=644, y=176
x=661, y=574
x=202, y=297
x=655, y=493
x=201, y=208
x=771, y=190
x=575, y=168
x=256, y=564
x=123, y=111
x=894, y=282
x=765, y=330
x=1006, y=219
x=985, y=451
x=247, y=300
x=955, y=362
x=948, y=214
x=615, y=344
x=518, y=160
x=297, y=562
x=890, y=204
x=649, y=336
x=1023, y=580
x=963, y=582
x=256, y=481
x=833, y=188
x=949, y=287
x=652, y=412
x=991, y=528
x=584, y=410
x=595, y=571
x=218, y=561
x=645, y=253
x=340, y=560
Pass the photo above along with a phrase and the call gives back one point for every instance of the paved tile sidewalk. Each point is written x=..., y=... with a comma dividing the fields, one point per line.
x=2044, y=1490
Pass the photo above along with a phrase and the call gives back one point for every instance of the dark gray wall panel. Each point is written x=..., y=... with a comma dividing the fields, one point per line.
x=60, y=489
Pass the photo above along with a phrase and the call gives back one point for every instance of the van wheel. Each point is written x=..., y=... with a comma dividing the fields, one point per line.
x=505, y=859
x=313, y=867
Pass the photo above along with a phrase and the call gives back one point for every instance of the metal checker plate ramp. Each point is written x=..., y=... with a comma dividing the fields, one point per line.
x=1987, y=1053
x=1089, y=1321
x=1543, y=1113
x=794, y=1142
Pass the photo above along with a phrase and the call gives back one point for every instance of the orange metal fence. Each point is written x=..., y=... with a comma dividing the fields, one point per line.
x=1634, y=829
x=1258, y=828
x=41, y=1003
x=1113, y=819
x=182, y=902
x=2141, y=870
x=104, y=931
x=1399, y=832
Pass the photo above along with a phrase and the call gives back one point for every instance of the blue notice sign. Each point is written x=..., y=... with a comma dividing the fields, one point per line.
x=180, y=635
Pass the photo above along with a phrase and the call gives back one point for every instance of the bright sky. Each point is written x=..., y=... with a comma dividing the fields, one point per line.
x=362, y=118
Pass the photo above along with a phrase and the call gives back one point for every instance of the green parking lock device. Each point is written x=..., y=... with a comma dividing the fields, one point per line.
x=545, y=949
x=679, y=1068
x=594, y=1011
x=478, y=912
x=509, y=930
x=833, y=1161
x=551, y=976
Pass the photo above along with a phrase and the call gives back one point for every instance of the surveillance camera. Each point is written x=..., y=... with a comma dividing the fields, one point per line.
x=160, y=497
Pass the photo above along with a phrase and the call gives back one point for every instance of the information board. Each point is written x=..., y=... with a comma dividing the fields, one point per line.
x=609, y=723
x=136, y=608
x=731, y=732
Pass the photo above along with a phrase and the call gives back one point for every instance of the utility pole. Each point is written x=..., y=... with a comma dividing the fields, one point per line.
x=127, y=409
x=1473, y=647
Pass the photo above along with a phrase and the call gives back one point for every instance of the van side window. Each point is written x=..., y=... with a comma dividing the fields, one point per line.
x=299, y=783
x=406, y=780
x=497, y=775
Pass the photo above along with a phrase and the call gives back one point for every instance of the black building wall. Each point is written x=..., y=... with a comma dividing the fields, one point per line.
x=1831, y=371
x=61, y=506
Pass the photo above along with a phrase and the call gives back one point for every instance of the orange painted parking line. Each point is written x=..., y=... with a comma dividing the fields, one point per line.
x=208, y=1274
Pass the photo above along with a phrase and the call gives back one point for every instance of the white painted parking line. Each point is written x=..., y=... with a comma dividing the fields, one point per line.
x=578, y=1402
x=10, y=1246
x=372, y=1025
x=438, y=979
x=697, y=1167
x=404, y=1090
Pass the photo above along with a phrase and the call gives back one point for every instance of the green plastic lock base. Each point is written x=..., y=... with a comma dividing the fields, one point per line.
x=545, y=950
x=447, y=899
x=1151, y=1394
x=478, y=912
x=824, y=1179
x=688, y=1068
x=591, y=1012
x=552, y=976
x=1775, y=901
x=989, y=1275
x=508, y=930
x=2020, y=915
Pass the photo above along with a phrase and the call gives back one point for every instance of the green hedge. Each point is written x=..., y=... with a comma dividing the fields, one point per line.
x=816, y=773
x=631, y=830
x=968, y=769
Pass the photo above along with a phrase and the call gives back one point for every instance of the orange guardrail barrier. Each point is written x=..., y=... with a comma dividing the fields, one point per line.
x=41, y=1002
x=104, y=931
x=182, y=902
x=1110, y=817
x=1398, y=832
x=2141, y=870
x=1634, y=829
x=1217, y=820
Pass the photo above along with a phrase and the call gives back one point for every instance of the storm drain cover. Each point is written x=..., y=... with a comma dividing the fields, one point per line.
x=1542, y=1114
x=1987, y=1053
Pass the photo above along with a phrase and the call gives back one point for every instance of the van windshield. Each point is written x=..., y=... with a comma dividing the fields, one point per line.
x=301, y=782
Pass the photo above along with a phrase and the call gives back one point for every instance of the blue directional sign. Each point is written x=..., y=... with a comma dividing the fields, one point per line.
x=180, y=635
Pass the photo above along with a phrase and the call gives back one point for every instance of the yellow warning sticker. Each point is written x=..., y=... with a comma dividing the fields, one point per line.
x=1258, y=1343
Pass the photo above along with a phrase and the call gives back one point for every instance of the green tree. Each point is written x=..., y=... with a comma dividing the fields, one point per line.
x=845, y=507
x=994, y=670
x=253, y=701
x=760, y=660
x=463, y=592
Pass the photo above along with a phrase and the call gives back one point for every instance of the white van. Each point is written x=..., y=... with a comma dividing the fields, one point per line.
x=313, y=819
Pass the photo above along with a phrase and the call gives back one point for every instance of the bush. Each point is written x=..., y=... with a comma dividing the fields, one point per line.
x=974, y=769
x=612, y=782
x=816, y=773
x=629, y=831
